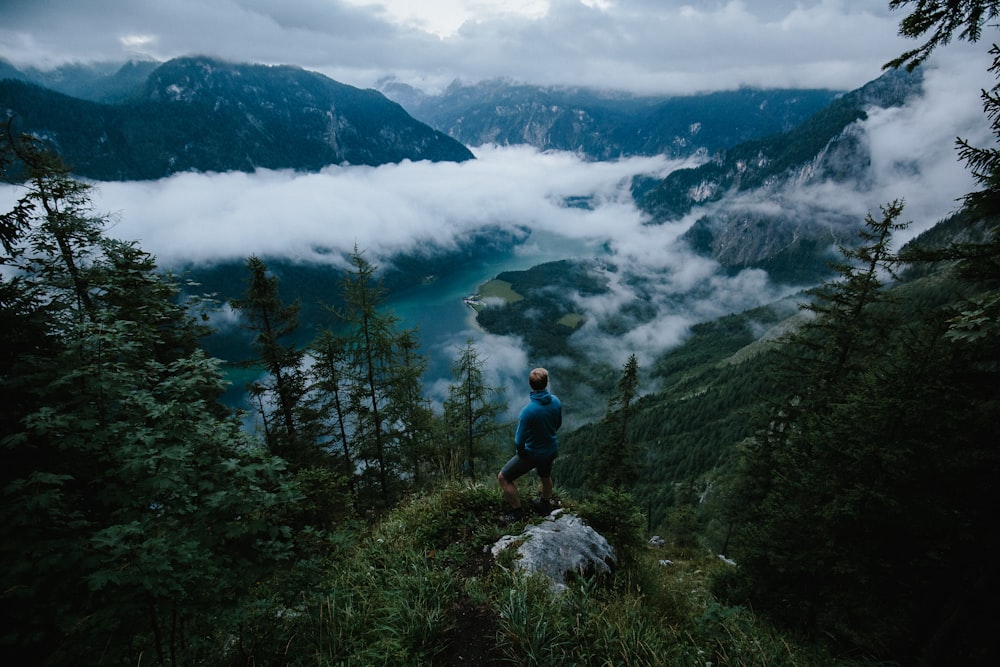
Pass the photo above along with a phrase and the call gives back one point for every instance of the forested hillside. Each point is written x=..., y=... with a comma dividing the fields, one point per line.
x=199, y=114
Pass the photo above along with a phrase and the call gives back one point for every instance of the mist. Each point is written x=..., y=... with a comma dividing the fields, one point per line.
x=194, y=219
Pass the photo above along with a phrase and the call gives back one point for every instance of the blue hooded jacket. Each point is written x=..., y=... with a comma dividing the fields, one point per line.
x=537, y=425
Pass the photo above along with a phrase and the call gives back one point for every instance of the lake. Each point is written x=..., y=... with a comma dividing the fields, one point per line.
x=445, y=322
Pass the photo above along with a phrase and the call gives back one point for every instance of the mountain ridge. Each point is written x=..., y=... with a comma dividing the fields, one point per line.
x=201, y=114
x=792, y=246
x=604, y=125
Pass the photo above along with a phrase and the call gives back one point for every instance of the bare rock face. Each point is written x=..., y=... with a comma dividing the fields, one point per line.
x=560, y=544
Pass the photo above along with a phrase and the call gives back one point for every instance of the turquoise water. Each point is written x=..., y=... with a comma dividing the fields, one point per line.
x=436, y=309
x=443, y=320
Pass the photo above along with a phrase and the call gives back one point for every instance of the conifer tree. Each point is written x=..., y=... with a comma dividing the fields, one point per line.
x=135, y=511
x=850, y=311
x=943, y=20
x=372, y=338
x=410, y=413
x=823, y=359
x=273, y=322
x=861, y=496
x=979, y=261
x=472, y=407
x=329, y=398
x=616, y=462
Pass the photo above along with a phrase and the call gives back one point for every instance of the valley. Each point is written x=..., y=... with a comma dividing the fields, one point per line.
x=683, y=240
x=770, y=314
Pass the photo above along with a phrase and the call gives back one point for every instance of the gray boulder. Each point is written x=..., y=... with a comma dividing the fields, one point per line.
x=560, y=544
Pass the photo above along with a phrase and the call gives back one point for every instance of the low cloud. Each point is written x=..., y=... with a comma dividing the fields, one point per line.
x=202, y=218
x=205, y=218
x=504, y=361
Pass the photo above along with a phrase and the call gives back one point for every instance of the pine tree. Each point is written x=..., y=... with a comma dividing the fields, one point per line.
x=135, y=510
x=616, y=457
x=848, y=310
x=272, y=322
x=372, y=339
x=860, y=498
x=979, y=262
x=472, y=407
x=410, y=413
x=329, y=401
x=942, y=19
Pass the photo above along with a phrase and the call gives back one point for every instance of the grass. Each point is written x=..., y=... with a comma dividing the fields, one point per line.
x=420, y=588
x=571, y=320
x=499, y=289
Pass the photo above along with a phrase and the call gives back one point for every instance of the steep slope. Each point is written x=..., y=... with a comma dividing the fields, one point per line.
x=791, y=243
x=603, y=125
x=205, y=115
x=709, y=388
x=97, y=82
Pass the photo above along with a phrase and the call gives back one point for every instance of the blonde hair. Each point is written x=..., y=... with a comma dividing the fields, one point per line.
x=538, y=378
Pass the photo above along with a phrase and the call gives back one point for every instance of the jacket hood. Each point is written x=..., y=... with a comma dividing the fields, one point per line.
x=543, y=396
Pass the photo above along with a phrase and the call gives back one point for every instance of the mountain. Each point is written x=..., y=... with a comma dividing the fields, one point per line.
x=753, y=220
x=109, y=82
x=8, y=71
x=603, y=125
x=200, y=114
x=791, y=243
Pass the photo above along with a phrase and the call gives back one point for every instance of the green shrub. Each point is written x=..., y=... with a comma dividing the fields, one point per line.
x=613, y=514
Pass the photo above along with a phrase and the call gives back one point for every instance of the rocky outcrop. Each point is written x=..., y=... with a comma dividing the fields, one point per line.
x=557, y=546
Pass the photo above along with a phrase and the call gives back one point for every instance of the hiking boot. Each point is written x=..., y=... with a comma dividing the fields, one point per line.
x=514, y=516
x=541, y=506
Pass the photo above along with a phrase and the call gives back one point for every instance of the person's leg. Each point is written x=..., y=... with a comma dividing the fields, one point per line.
x=543, y=505
x=515, y=468
x=546, y=489
x=509, y=491
x=544, y=470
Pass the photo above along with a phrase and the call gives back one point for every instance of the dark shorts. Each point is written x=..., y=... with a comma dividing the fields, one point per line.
x=522, y=463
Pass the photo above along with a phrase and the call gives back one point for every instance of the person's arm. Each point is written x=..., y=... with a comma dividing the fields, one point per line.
x=520, y=434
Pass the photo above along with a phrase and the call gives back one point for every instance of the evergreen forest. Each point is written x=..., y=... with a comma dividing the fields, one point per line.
x=823, y=490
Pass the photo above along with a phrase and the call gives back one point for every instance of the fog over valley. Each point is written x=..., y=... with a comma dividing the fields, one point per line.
x=198, y=219
x=487, y=332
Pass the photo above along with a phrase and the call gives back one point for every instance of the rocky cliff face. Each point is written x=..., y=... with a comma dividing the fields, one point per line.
x=603, y=125
x=751, y=195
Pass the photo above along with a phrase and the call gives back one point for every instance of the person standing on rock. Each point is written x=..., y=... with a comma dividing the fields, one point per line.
x=536, y=443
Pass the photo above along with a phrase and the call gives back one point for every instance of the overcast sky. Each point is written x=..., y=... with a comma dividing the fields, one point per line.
x=661, y=46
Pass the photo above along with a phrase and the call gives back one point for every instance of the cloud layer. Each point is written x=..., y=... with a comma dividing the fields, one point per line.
x=197, y=218
x=655, y=46
x=200, y=218
x=194, y=218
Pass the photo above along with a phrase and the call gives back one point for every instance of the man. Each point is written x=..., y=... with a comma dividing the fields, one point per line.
x=536, y=443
